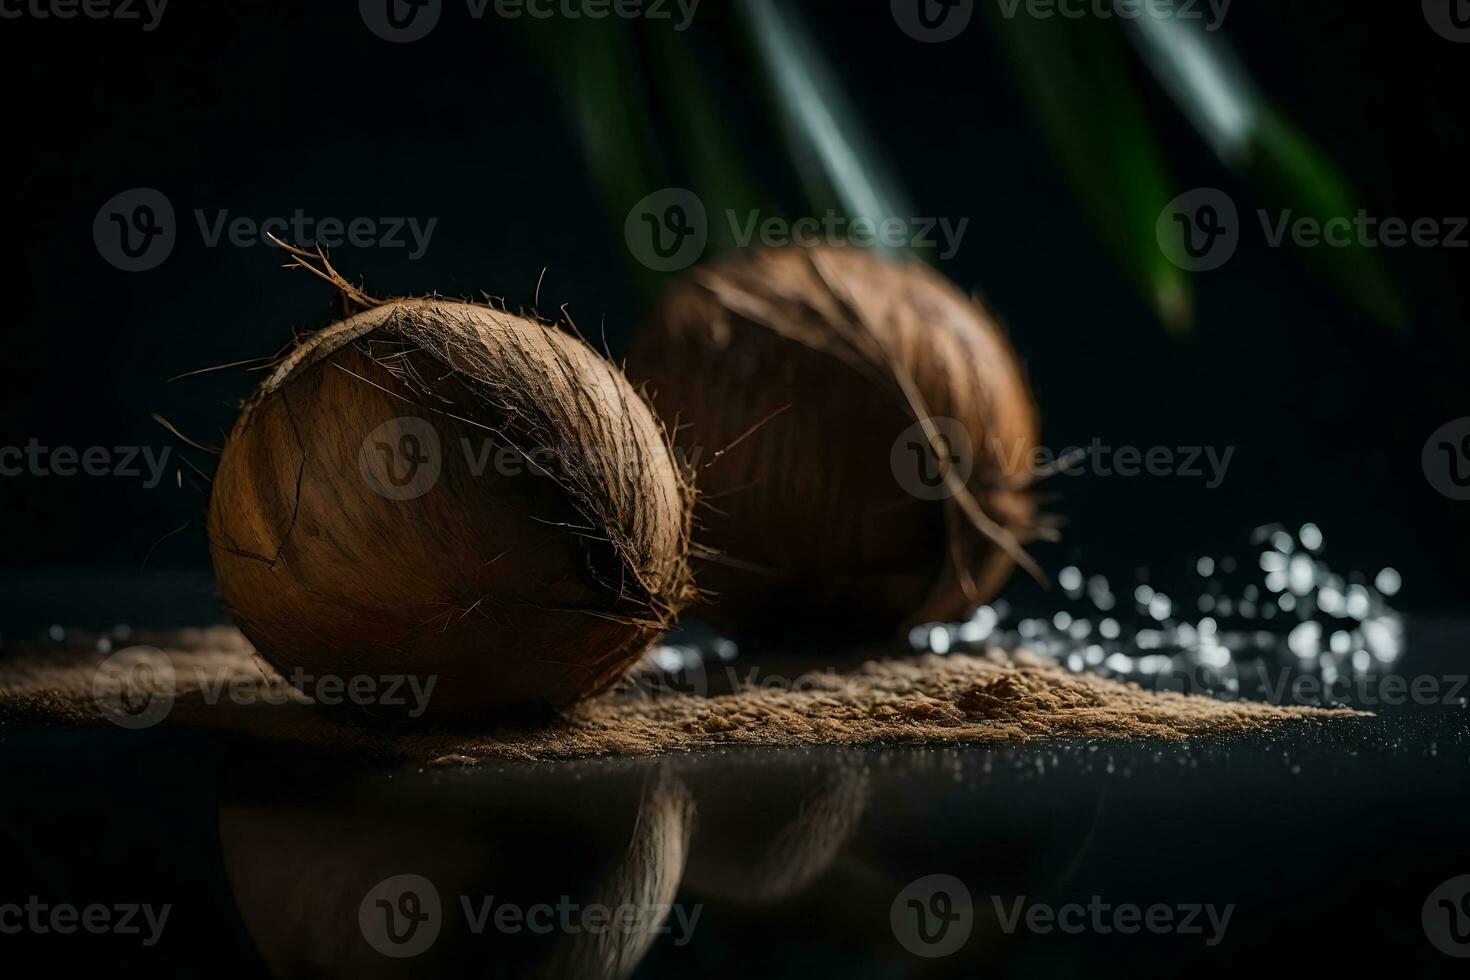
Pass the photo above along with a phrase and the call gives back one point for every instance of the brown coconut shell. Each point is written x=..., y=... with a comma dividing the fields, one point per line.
x=512, y=586
x=789, y=376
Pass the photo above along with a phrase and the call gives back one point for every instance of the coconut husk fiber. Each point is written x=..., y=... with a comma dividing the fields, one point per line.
x=992, y=698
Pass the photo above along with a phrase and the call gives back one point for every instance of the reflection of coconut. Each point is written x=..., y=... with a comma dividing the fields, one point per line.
x=769, y=823
x=370, y=875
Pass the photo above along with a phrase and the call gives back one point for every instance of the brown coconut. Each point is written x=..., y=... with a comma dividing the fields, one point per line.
x=808, y=386
x=448, y=491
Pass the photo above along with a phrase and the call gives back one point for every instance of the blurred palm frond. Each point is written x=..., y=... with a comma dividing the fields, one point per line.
x=834, y=156
x=1201, y=73
x=1076, y=74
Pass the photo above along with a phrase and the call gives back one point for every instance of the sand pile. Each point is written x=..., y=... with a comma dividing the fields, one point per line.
x=212, y=680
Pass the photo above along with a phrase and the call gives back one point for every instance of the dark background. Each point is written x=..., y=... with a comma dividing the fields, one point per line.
x=264, y=108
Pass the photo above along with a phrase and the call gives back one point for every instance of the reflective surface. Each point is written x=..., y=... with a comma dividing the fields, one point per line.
x=1331, y=846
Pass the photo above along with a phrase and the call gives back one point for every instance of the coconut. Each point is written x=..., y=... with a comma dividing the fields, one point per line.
x=863, y=433
x=452, y=494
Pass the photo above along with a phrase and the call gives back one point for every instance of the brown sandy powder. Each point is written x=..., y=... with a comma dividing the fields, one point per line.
x=993, y=698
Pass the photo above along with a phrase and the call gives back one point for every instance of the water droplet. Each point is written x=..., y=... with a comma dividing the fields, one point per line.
x=1305, y=640
x=1388, y=581
x=1300, y=575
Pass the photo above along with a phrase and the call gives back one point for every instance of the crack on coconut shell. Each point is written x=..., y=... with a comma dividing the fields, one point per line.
x=272, y=560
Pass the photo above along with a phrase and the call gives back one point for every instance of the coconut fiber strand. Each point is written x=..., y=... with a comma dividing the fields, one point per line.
x=993, y=698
